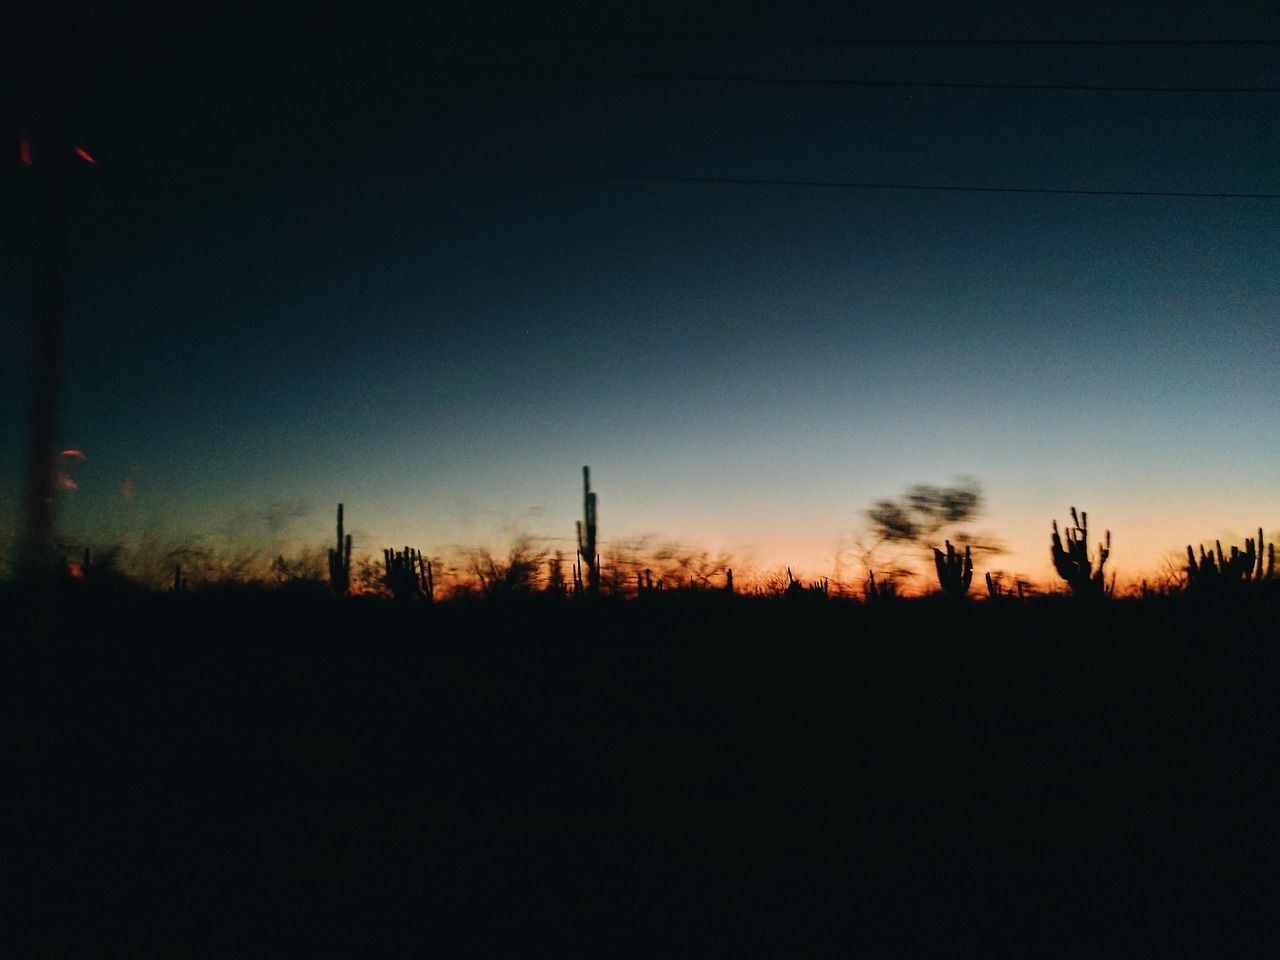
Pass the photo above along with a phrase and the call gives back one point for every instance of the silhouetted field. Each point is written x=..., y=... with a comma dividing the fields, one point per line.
x=259, y=774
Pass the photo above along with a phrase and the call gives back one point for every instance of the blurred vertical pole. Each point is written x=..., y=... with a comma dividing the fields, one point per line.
x=49, y=157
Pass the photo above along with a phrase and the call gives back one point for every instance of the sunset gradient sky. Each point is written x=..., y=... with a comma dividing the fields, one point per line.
x=279, y=297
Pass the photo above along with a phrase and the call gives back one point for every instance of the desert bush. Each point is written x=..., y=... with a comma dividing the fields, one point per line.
x=519, y=573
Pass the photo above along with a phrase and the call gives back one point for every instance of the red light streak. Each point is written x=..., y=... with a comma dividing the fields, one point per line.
x=85, y=155
x=24, y=151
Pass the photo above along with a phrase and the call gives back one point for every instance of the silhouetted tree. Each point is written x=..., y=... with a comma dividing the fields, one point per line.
x=919, y=518
x=925, y=511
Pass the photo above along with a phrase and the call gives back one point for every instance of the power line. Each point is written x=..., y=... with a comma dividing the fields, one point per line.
x=578, y=74
x=869, y=40
x=837, y=184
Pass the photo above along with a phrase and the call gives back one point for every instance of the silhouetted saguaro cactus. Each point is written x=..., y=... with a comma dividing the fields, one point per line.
x=955, y=572
x=587, y=555
x=408, y=576
x=340, y=561
x=1216, y=572
x=1073, y=563
x=179, y=585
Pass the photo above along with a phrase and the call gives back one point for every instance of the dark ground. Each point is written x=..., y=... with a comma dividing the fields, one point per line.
x=270, y=776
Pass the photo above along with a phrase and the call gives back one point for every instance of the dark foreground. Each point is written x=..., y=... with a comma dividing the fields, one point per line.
x=218, y=777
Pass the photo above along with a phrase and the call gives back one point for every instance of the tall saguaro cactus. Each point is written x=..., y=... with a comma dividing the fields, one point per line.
x=955, y=571
x=1072, y=561
x=587, y=535
x=340, y=561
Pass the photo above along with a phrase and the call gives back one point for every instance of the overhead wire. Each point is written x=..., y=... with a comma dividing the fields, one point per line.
x=578, y=73
x=869, y=40
x=838, y=184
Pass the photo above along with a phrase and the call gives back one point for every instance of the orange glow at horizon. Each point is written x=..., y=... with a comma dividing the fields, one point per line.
x=1144, y=547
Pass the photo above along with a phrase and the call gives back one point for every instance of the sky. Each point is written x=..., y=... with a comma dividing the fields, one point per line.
x=310, y=265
